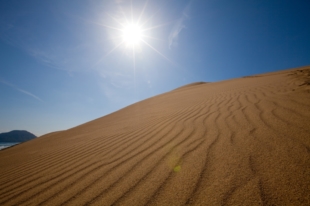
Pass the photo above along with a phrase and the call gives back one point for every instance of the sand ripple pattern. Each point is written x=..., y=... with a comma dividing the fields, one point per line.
x=244, y=141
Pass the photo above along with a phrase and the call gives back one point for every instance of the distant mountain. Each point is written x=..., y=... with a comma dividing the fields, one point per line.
x=16, y=136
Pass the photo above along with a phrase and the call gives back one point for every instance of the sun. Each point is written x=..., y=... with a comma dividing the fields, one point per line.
x=132, y=35
x=131, y=32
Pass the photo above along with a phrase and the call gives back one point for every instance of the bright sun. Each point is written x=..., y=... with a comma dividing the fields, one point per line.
x=132, y=35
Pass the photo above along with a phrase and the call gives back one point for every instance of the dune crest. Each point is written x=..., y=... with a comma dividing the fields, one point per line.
x=243, y=141
x=191, y=86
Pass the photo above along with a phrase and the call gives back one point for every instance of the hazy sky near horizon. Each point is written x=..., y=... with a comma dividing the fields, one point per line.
x=63, y=63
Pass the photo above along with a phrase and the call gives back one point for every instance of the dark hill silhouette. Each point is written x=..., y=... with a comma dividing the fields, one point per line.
x=16, y=136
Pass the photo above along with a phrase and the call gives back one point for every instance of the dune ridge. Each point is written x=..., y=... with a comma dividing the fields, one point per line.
x=243, y=141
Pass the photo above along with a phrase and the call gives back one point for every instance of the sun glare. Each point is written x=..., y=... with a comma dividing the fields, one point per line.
x=132, y=31
x=132, y=35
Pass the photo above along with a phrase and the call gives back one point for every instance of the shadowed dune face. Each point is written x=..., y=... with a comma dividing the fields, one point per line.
x=238, y=142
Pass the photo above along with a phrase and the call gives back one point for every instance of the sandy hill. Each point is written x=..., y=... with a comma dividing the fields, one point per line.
x=244, y=141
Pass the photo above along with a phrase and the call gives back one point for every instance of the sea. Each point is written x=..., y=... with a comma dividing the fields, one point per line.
x=7, y=144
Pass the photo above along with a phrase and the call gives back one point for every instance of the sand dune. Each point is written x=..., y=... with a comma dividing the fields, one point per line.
x=244, y=141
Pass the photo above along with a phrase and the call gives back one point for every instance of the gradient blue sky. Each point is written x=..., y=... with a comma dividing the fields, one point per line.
x=60, y=65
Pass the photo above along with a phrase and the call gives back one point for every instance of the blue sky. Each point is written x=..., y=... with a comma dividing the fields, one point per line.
x=63, y=63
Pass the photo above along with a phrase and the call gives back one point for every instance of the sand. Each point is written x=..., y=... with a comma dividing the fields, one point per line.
x=243, y=141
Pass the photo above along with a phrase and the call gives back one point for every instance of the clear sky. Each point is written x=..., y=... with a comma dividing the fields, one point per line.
x=63, y=63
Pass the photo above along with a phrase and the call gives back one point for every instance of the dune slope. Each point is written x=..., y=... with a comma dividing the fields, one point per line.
x=244, y=141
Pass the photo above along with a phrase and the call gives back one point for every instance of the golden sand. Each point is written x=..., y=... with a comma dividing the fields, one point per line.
x=244, y=141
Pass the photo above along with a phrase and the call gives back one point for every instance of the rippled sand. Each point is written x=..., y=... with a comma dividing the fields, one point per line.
x=244, y=141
